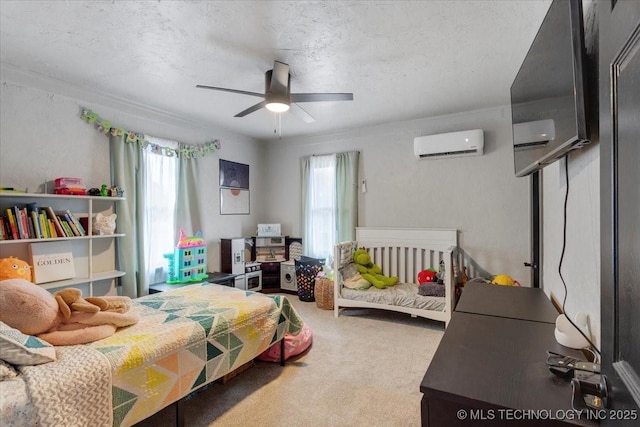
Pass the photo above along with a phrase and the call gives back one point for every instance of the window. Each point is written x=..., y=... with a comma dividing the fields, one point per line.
x=321, y=212
x=330, y=201
x=160, y=177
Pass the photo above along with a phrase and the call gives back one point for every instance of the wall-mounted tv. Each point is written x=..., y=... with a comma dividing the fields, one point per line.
x=548, y=94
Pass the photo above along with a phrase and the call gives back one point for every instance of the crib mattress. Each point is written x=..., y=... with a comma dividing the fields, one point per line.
x=402, y=295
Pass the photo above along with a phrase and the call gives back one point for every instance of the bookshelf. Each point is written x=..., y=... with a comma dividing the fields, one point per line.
x=94, y=256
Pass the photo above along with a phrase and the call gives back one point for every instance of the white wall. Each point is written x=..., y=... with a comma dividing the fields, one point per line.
x=42, y=137
x=480, y=196
x=581, y=264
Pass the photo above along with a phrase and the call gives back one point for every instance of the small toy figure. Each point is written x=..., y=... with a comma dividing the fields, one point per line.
x=103, y=190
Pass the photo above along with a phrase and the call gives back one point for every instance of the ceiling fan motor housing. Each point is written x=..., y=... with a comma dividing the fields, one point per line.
x=278, y=94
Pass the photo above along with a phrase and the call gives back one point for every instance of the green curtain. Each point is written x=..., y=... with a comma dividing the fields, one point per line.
x=187, y=203
x=346, y=195
x=125, y=169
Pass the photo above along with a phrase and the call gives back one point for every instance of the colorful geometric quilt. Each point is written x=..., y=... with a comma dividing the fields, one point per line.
x=187, y=338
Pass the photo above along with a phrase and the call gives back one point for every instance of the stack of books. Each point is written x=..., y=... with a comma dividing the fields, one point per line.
x=33, y=222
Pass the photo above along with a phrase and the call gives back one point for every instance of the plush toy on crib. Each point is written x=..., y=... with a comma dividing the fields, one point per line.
x=427, y=276
x=371, y=272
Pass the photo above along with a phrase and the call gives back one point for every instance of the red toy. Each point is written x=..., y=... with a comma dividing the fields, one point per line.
x=73, y=186
x=427, y=276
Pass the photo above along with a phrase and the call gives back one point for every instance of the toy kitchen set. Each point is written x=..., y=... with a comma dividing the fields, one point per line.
x=264, y=262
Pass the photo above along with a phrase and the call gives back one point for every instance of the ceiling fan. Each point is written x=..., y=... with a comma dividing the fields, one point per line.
x=278, y=97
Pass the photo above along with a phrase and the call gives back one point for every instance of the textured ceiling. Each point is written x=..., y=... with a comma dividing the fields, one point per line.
x=401, y=59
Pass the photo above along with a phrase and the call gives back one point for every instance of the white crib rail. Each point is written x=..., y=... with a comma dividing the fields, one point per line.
x=404, y=253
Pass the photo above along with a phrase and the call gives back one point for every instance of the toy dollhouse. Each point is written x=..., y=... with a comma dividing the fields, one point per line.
x=188, y=262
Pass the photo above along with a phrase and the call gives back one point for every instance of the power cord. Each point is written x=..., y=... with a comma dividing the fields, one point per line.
x=564, y=245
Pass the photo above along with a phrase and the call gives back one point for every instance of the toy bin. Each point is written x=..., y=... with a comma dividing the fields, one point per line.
x=72, y=186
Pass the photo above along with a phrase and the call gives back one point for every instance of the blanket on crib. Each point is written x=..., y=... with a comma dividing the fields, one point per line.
x=185, y=339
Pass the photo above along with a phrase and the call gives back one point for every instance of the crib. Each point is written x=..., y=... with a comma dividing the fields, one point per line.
x=401, y=252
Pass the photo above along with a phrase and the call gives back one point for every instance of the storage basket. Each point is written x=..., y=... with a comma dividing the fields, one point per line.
x=324, y=293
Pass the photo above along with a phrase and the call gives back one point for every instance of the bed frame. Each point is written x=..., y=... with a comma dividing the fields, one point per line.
x=402, y=252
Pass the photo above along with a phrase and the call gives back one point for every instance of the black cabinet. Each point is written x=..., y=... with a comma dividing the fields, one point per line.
x=270, y=276
x=490, y=367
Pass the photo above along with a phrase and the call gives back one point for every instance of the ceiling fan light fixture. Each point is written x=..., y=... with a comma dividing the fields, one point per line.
x=277, y=107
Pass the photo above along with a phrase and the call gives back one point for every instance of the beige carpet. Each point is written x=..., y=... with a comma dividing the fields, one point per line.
x=363, y=369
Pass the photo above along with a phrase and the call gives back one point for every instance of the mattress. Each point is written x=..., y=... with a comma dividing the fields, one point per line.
x=402, y=294
x=185, y=339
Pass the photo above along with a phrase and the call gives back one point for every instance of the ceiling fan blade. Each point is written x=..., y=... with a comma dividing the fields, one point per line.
x=302, y=113
x=243, y=92
x=251, y=109
x=320, y=97
x=280, y=78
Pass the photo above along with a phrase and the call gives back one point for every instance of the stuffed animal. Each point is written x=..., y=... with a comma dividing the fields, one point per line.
x=427, y=276
x=70, y=299
x=34, y=311
x=504, y=280
x=371, y=272
x=104, y=224
x=15, y=268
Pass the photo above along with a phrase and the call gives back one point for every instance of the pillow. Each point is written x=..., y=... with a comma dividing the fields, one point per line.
x=20, y=349
x=348, y=271
x=431, y=290
x=7, y=371
x=293, y=345
x=356, y=282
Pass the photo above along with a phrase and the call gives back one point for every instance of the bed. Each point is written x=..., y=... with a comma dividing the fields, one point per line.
x=401, y=252
x=186, y=338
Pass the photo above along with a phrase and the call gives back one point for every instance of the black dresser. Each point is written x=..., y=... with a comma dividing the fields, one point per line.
x=490, y=370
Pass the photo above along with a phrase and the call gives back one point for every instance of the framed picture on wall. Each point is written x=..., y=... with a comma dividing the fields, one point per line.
x=234, y=201
x=234, y=175
x=234, y=188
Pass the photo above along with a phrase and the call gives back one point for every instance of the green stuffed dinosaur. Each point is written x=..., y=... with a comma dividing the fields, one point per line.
x=371, y=272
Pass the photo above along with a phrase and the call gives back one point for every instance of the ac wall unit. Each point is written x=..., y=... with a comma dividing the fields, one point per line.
x=453, y=144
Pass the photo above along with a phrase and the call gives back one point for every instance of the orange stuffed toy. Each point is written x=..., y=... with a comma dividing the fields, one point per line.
x=15, y=268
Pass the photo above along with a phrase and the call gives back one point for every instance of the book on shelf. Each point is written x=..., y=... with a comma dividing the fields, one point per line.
x=44, y=225
x=52, y=261
x=65, y=226
x=36, y=223
x=57, y=227
x=25, y=223
x=13, y=227
x=15, y=212
x=32, y=231
x=77, y=223
x=7, y=227
x=52, y=228
x=3, y=229
x=74, y=224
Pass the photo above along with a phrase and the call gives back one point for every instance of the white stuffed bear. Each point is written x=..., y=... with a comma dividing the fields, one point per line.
x=104, y=224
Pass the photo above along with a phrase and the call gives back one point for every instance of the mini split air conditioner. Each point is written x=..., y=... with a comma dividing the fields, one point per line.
x=453, y=144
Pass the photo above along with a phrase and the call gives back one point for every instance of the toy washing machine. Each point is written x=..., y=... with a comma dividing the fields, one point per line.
x=288, y=276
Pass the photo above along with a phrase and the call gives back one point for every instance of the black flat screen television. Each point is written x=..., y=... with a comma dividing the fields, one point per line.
x=548, y=110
